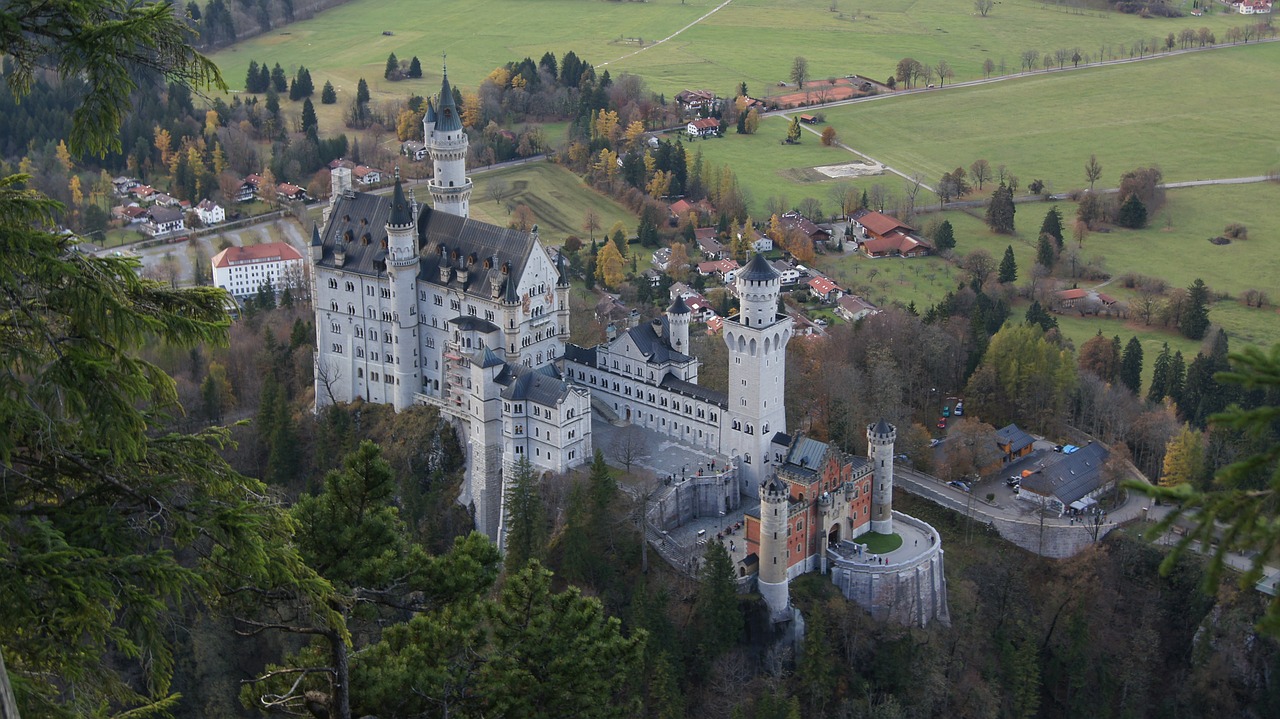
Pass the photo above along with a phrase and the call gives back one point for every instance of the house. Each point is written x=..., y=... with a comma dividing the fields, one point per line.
x=694, y=100
x=700, y=308
x=1014, y=443
x=210, y=213
x=414, y=150
x=726, y=269
x=164, y=200
x=290, y=191
x=824, y=289
x=683, y=291
x=249, y=188
x=123, y=184
x=142, y=192
x=794, y=221
x=853, y=308
x=789, y=274
x=662, y=258
x=710, y=246
x=1255, y=7
x=1074, y=481
x=809, y=119
x=652, y=276
x=880, y=235
x=341, y=163
x=241, y=271
x=163, y=220
x=714, y=325
x=366, y=175
x=704, y=127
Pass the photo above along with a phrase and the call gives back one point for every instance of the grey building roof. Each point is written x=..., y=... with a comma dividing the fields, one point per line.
x=541, y=386
x=1072, y=477
x=806, y=454
x=656, y=348
x=581, y=355
x=315, y=236
x=1013, y=436
x=673, y=384
x=401, y=210
x=358, y=224
x=679, y=307
x=487, y=358
x=447, y=118
x=469, y=323
x=758, y=270
x=161, y=215
x=882, y=427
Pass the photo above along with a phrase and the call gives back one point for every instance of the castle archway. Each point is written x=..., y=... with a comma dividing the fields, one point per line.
x=833, y=536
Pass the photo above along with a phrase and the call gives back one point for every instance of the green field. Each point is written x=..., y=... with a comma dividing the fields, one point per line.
x=559, y=200
x=1164, y=112
x=346, y=43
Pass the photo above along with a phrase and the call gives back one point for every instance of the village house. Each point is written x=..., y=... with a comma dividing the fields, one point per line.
x=123, y=184
x=210, y=213
x=853, y=308
x=880, y=235
x=794, y=221
x=1014, y=443
x=143, y=193
x=130, y=214
x=727, y=270
x=242, y=271
x=249, y=188
x=366, y=175
x=824, y=289
x=708, y=244
x=1074, y=481
x=695, y=100
x=290, y=191
x=414, y=150
x=662, y=258
x=163, y=220
x=164, y=200
x=788, y=274
x=704, y=127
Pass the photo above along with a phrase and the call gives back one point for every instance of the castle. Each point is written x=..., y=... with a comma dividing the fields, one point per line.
x=421, y=305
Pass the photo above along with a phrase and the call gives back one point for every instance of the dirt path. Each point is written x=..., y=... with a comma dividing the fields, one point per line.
x=711, y=12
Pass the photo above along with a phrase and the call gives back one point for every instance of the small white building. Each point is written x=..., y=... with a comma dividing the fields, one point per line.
x=366, y=175
x=242, y=270
x=210, y=213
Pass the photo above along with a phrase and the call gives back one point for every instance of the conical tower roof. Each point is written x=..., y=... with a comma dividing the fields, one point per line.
x=315, y=235
x=679, y=307
x=882, y=427
x=447, y=117
x=759, y=270
x=401, y=209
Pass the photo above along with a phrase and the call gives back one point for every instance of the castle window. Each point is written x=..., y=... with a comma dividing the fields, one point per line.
x=471, y=310
x=431, y=342
x=368, y=290
x=439, y=301
x=359, y=331
x=359, y=372
x=455, y=305
x=351, y=310
x=335, y=328
x=351, y=287
x=360, y=352
x=333, y=284
x=337, y=348
x=333, y=306
x=373, y=356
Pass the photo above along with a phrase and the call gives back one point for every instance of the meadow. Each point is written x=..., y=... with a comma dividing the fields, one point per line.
x=558, y=198
x=1199, y=116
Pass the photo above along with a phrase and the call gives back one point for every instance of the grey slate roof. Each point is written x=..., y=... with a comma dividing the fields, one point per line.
x=882, y=427
x=358, y=223
x=679, y=307
x=1013, y=436
x=581, y=355
x=758, y=270
x=1074, y=476
x=806, y=453
x=655, y=347
x=541, y=386
x=315, y=236
x=487, y=358
x=672, y=384
x=401, y=210
x=447, y=119
x=469, y=323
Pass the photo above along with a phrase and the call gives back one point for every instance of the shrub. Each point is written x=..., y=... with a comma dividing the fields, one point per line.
x=1236, y=231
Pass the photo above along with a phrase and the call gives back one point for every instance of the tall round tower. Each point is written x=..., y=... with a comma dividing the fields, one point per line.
x=447, y=142
x=402, y=272
x=772, y=578
x=880, y=437
x=757, y=341
x=678, y=316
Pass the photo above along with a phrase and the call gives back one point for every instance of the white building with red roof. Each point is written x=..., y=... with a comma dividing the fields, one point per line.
x=824, y=288
x=242, y=270
x=880, y=235
x=704, y=127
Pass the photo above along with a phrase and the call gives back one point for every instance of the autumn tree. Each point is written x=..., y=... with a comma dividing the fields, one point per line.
x=799, y=71
x=1023, y=376
x=793, y=131
x=609, y=266
x=1183, y=458
x=828, y=136
x=983, y=7
x=1098, y=355
x=678, y=264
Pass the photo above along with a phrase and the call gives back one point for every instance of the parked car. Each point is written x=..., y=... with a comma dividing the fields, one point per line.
x=1057, y=448
x=1013, y=481
x=935, y=442
x=959, y=409
x=946, y=411
x=942, y=423
x=962, y=486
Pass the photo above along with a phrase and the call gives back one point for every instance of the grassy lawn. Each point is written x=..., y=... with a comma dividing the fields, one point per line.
x=885, y=281
x=767, y=168
x=1039, y=127
x=559, y=200
x=879, y=543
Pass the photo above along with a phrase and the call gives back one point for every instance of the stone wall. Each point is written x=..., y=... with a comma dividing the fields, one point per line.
x=696, y=497
x=913, y=592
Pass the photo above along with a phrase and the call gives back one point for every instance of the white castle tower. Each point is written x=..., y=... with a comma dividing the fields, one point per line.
x=402, y=271
x=447, y=142
x=678, y=316
x=772, y=578
x=757, y=341
x=880, y=438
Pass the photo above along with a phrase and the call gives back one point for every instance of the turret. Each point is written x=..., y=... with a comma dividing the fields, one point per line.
x=772, y=578
x=402, y=273
x=678, y=316
x=758, y=288
x=880, y=437
x=447, y=142
x=317, y=246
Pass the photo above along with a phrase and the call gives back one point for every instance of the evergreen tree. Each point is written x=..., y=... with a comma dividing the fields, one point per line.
x=1132, y=213
x=193, y=11
x=392, y=71
x=1045, y=256
x=816, y=668
x=1131, y=366
x=328, y=95
x=717, y=616
x=252, y=78
x=310, y=124
x=1160, y=375
x=943, y=239
x=362, y=92
x=1036, y=315
x=525, y=520
x=293, y=90
x=1052, y=226
x=306, y=87
x=1177, y=378
x=1194, y=321
x=1000, y=210
x=1008, y=266
x=279, y=81
x=264, y=78
x=415, y=68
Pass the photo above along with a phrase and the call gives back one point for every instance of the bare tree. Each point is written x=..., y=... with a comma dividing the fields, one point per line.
x=988, y=65
x=981, y=171
x=1092, y=170
x=329, y=374
x=912, y=188
x=944, y=71
x=983, y=6
x=591, y=223
x=811, y=208
x=629, y=447
x=496, y=190
x=799, y=71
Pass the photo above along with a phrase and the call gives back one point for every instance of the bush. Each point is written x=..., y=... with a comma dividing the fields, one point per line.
x=1236, y=231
